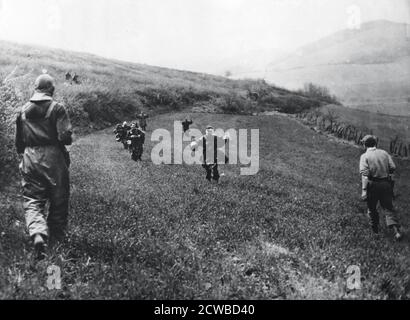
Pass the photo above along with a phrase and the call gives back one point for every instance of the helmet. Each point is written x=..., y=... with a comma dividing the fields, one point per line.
x=44, y=83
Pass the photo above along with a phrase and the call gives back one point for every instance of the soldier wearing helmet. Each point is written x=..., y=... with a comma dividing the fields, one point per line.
x=43, y=129
x=142, y=117
x=186, y=124
x=136, y=140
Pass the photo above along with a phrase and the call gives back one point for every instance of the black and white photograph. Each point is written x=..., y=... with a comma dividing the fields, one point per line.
x=222, y=152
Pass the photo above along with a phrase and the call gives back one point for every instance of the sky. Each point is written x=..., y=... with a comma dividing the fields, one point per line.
x=186, y=34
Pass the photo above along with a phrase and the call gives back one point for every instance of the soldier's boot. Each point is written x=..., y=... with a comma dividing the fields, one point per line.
x=208, y=172
x=57, y=237
x=397, y=234
x=39, y=247
x=375, y=228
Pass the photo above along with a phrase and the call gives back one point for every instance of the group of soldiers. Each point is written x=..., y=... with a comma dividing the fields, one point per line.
x=132, y=137
x=72, y=78
x=43, y=130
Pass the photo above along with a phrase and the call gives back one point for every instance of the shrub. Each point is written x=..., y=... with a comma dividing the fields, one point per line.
x=319, y=92
x=232, y=103
x=9, y=101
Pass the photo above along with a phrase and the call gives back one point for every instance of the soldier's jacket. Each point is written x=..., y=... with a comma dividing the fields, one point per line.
x=121, y=132
x=42, y=122
x=376, y=163
x=212, y=152
x=137, y=138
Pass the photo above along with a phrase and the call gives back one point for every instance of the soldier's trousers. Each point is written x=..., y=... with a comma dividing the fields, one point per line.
x=381, y=191
x=45, y=181
x=211, y=171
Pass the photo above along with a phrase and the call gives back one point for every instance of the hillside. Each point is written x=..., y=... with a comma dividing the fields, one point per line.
x=141, y=231
x=111, y=91
x=366, y=68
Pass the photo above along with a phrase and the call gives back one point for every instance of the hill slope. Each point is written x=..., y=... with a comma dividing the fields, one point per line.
x=140, y=231
x=367, y=68
x=112, y=91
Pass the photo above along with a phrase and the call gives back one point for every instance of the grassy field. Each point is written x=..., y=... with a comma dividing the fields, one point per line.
x=140, y=231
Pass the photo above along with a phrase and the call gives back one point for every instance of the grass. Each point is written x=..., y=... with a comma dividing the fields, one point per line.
x=140, y=231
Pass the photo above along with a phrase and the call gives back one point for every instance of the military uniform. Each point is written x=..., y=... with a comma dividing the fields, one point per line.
x=142, y=117
x=43, y=129
x=211, y=155
x=124, y=134
x=137, y=140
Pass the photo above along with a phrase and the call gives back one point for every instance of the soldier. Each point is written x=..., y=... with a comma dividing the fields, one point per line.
x=376, y=166
x=210, y=143
x=119, y=132
x=136, y=138
x=124, y=134
x=142, y=120
x=68, y=76
x=186, y=124
x=76, y=79
x=43, y=129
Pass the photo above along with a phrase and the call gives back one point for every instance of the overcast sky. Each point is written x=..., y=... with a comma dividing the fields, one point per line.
x=185, y=34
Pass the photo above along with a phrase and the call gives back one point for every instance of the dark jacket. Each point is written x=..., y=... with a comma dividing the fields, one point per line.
x=42, y=123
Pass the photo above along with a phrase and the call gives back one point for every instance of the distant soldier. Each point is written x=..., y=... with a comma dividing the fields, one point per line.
x=186, y=124
x=253, y=95
x=136, y=138
x=68, y=76
x=211, y=155
x=142, y=117
x=125, y=128
x=376, y=166
x=76, y=79
x=118, y=132
x=43, y=129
